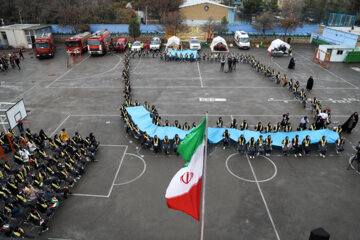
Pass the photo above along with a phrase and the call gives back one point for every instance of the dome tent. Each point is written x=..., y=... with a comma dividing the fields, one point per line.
x=218, y=44
x=173, y=43
x=278, y=48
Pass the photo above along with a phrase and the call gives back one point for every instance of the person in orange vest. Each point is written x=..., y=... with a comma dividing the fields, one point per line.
x=64, y=135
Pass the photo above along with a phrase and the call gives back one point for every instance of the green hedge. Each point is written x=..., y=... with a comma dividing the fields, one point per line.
x=353, y=57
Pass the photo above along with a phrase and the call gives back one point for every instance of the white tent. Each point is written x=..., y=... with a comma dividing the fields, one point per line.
x=278, y=47
x=218, y=44
x=173, y=43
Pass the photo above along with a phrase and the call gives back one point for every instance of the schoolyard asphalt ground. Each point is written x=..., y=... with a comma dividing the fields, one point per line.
x=122, y=195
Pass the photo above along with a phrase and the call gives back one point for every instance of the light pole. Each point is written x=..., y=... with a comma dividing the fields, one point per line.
x=20, y=17
x=146, y=15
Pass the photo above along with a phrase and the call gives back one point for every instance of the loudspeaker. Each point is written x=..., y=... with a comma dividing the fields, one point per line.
x=319, y=234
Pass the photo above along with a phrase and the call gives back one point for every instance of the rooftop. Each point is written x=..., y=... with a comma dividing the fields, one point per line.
x=334, y=46
x=189, y=3
x=356, y=30
x=24, y=26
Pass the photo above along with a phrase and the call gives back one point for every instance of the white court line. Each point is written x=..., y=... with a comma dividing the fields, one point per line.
x=64, y=87
x=117, y=172
x=272, y=60
x=65, y=73
x=321, y=100
x=97, y=74
x=201, y=81
x=109, y=145
x=136, y=178
x=89, y=195
x=112, y=185
x=356, y=87
x=263, y=198
x=132, y=70
x=189, y=87
x=167, y=79
x=67, y=117
x=229, y=87
x=352, y=167
x=249, y=180
x=238, y=115
x=9, y=103
x=59, y=238
x=23, y=93
x=95, y=115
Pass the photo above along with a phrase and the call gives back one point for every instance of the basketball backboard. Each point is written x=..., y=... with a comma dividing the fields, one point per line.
x=16, y=113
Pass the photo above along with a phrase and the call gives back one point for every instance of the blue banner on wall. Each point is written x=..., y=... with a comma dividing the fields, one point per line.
x=141, y=117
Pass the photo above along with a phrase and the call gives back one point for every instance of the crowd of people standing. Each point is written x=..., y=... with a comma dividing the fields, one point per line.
x=11, y=60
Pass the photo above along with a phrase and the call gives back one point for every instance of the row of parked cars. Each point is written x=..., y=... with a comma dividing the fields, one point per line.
x=155, y=44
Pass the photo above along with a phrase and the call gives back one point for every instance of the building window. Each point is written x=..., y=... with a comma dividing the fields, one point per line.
x=206, y=8
x=3, y=34
x=339, y=52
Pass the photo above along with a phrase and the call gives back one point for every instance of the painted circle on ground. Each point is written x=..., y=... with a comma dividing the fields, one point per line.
x=250, y=180
x=350, y=164
x=138, y=176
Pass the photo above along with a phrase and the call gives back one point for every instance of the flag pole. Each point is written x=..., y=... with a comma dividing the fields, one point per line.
x=204, y=181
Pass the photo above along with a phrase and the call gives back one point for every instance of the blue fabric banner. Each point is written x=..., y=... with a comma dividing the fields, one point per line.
x=141, y=117
x=184, y=52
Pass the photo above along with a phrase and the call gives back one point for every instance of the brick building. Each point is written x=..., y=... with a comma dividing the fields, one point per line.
x=197, y=12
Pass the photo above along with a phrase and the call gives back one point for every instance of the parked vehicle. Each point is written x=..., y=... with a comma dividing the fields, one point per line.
x=98, y=43
x=146, y=46
x=136, y=46
x=44, y=45
x=78, y=42
x=241, y=39
x=121, y=44
x=155, y=44
x=194, y=43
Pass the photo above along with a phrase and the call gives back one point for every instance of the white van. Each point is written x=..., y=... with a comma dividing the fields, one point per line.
x=155, y=44
x=194, y=43
x=241, y=39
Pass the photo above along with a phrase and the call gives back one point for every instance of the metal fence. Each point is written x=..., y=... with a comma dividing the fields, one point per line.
x=310, y=16
x=341, y=20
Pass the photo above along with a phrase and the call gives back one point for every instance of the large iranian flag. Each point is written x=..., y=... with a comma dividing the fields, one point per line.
x=184, y=190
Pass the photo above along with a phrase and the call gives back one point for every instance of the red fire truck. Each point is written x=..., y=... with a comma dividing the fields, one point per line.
x=99, y=42
x=44, y=45
x=121, y=44
x=78, y=42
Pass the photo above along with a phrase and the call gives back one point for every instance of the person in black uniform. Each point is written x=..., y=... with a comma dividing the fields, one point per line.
x=226, y=138
x=166, y=145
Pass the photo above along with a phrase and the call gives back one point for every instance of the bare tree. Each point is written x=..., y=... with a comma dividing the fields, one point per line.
x=209, y=28
x=173, y=23
x=290, y=16
x=160, y=8
x=221, y=28
x=263, y=22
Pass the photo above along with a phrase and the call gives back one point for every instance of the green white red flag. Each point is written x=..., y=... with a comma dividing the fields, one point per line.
x=184, y=190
